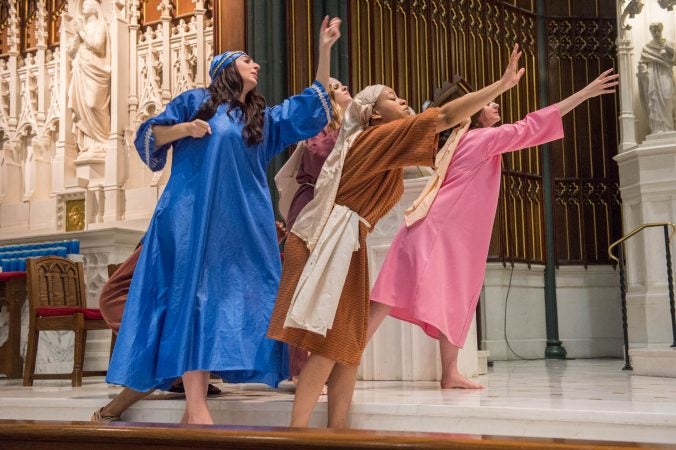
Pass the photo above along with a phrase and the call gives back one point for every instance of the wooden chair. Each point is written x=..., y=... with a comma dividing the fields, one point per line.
x=58, y=301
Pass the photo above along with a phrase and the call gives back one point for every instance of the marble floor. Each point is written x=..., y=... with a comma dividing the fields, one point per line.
x=585, y=399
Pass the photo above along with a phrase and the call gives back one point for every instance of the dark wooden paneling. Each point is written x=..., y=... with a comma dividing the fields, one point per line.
x=55, y=9
x=415, y=46
x=184, y=8
x=586, y=204
x=28, y=14
x=150, y=14
x=300, y=44
x=229, y=25
x=4, y=27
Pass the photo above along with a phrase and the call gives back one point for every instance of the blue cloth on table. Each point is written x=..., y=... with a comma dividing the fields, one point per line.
x=205, y=284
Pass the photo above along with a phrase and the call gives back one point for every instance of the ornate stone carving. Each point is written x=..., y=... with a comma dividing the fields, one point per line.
x=151, y=74
x=165, y=8
x=656, y=80
x=13, y=38
x=4, y=95
x=41, y=29
x=29, y=96
x=133, y=12
x=96, y=274
x=184, y=68
x=89, y=90
x=630, y=11
x=54, y=112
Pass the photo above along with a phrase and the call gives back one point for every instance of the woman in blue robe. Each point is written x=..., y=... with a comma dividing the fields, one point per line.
x=206, y=280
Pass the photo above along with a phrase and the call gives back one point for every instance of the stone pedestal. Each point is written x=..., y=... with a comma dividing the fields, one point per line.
x=90, y=167
x=648, y=189
x=655, y=362
x=399, y=350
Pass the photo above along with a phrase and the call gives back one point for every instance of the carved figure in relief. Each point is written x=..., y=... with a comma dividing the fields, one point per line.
x=656, y=81
x=89, y=90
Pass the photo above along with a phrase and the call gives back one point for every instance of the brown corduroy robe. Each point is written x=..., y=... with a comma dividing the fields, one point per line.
x=371, y=184
x=114, y=293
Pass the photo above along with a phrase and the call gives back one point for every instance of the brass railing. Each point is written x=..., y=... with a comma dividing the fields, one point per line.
x=623, y=288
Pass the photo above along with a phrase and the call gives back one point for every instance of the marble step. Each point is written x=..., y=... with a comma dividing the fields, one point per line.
x=654, y=362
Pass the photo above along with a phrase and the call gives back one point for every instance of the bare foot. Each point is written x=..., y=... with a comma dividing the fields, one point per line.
x=457, y=381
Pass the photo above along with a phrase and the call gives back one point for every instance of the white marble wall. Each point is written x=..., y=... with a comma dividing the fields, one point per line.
x=647, y=165
x=588, y=301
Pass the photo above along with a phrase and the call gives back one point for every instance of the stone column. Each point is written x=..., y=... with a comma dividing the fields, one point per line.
x=165, y=18
x=63, y=166
x=200, y=75
x=626, y=70
x=116, y=155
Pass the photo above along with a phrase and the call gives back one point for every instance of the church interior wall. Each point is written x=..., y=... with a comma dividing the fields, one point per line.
x=42, y=168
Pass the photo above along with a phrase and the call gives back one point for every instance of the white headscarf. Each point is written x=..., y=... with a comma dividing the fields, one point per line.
x=313, y=217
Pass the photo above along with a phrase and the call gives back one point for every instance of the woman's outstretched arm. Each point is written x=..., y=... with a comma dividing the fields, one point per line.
x=603, y=84
x=452, y=113
x=329, y=32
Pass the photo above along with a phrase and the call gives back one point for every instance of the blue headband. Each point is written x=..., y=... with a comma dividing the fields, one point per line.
x=222, y=61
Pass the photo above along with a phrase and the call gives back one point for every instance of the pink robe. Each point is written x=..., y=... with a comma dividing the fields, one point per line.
x=433, y=273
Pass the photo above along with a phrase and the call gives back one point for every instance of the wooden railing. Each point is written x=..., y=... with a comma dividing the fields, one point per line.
x=126, y=436
x=620, y=260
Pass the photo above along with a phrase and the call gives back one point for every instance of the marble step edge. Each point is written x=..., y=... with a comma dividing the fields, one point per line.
x=667, y=352
x=283, y=405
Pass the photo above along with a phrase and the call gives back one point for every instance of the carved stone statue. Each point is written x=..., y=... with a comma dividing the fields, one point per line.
x=656, y=81
x=89, y=90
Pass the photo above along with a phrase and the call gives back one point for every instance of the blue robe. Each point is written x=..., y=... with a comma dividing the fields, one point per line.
x=206, y=280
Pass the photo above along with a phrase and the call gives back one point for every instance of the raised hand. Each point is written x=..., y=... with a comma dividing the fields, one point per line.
x=603, y=84
x=329, y=32
x=512, y=74
x=197, y=128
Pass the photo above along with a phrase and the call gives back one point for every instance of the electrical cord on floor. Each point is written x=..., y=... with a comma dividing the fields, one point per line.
x=509, y=346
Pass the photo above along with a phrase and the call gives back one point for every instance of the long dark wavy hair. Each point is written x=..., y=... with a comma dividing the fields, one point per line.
x=474, y=120
x=226, y=88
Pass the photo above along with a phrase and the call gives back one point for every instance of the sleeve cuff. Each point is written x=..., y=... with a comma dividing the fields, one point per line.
x=323, y=96
x=148, y=140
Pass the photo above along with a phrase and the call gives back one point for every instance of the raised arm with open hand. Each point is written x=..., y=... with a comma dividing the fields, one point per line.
x=603, y=84
x=329, y=32
x=452, y=113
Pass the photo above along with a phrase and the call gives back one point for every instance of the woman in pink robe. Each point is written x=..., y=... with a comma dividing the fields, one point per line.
x=434, y=270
